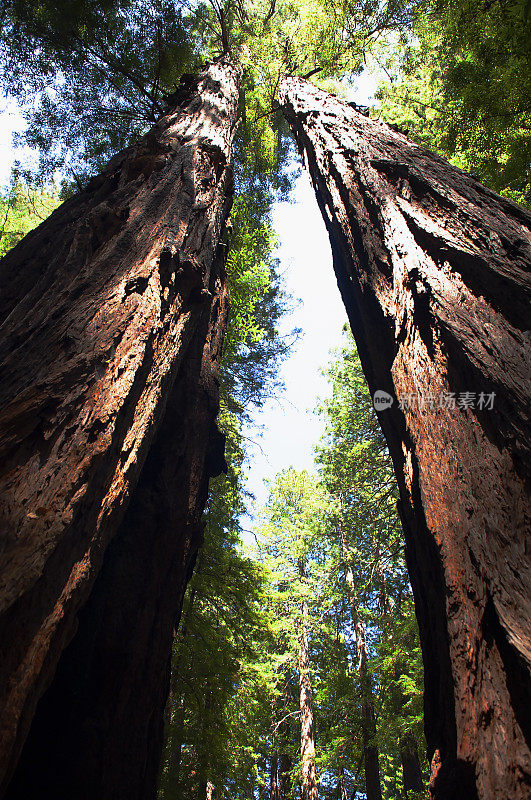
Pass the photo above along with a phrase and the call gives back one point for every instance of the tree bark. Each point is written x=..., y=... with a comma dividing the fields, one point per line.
x=434, y=272
x=285, y=767
x=411, y=771
x=285, y=761
x=112, y=321
x=175, y=710
x=341, y=788
x=309, y=788
x=273, y=766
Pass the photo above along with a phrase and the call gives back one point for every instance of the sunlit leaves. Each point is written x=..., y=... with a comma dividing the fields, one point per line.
x=21, y=211
x=462, y=86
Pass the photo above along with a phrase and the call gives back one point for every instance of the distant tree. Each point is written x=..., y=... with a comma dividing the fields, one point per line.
x=366, y=541
x=290, y=545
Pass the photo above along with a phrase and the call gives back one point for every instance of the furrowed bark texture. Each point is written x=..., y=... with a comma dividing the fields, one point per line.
x=112, y=318
x=434, y=272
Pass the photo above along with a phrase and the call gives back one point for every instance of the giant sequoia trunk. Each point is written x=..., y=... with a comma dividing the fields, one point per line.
x=434, y=272
x=112, y=319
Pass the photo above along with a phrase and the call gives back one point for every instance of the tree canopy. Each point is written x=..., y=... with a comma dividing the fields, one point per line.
x=460, y=83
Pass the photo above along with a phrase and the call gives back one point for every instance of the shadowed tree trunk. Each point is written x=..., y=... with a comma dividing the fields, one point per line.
x=341, y=788
x=368, y=717
x=175, y=711
x=309, y=789
x=434, y=272
x=112, y=319
x=411, y=771
x=285, y=767
x=273, y=779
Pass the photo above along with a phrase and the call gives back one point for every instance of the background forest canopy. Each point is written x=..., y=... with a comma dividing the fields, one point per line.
x=92, y=76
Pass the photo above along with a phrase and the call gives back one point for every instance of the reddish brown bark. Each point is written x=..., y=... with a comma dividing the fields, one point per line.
x=434, y=272
x=309, y=787
x=112, y=321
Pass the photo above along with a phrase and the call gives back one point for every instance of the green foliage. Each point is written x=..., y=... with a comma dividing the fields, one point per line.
x=357, y=471
x=22, y=210
x=98, y=71
x=462, y=85
x=95, y=71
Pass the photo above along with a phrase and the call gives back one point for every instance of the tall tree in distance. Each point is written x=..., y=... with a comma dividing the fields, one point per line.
x=289, y=540
x=434, y=272
x=364, y=537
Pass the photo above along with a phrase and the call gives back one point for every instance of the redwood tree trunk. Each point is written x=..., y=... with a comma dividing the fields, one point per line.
x=309, y=789
x=285, y=767
x=434, y=272
x=112, y=321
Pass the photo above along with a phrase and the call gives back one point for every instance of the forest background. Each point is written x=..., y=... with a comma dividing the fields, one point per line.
x=328, y=567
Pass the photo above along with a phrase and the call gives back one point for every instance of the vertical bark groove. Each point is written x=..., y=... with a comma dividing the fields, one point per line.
x=434, y=272
x=112, y=321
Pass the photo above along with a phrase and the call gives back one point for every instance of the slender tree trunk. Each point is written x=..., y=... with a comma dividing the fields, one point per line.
x=273, y=770
x=175, y=709
x=273, y=780
x=434, y=273
x=284, y=736
x=204, y=748
x=341, y=787
x=171, y=777
x=112, y=318
x=309, y=789
x=285, y=761
x=285, y=767
x=411, y=771
x=368, y=718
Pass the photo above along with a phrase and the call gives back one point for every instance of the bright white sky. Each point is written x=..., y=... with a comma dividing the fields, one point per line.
x=290, y=429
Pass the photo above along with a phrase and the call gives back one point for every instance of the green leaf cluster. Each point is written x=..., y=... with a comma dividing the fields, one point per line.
x=21, y=210
x=461, y=84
